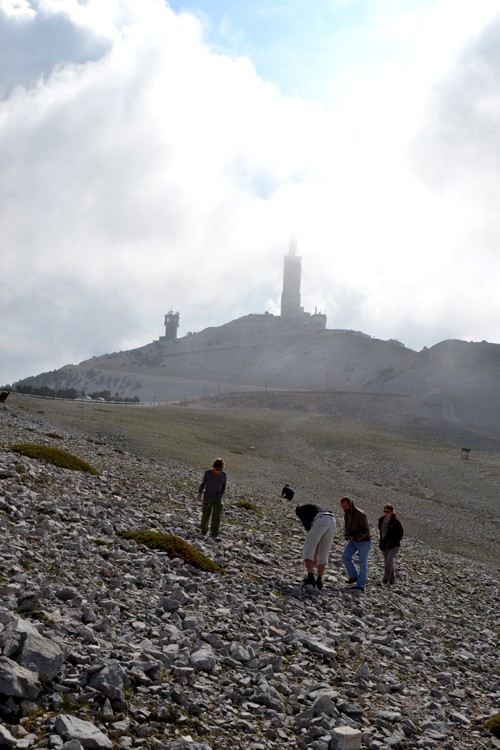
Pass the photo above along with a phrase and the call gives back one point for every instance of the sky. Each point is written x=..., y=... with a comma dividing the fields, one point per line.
x=158, y=156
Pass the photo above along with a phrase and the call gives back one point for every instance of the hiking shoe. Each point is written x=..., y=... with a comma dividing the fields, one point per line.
x=352, y=580
x=319, y=583
x=309, y=580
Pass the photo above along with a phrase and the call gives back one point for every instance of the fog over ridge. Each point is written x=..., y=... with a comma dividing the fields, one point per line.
x=152, y=158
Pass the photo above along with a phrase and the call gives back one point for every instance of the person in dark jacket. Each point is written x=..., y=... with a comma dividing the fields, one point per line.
x=391, y=533
x=358, y=541
x=211, y=489
x=320, y=526
x=287, y=492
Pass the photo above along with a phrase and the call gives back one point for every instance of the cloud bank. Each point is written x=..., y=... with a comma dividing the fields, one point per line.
x=145, y=168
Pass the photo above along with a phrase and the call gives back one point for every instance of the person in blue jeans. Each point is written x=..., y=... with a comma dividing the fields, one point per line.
x=358, y=541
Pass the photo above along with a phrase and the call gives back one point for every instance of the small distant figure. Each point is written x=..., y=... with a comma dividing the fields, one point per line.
x=211, y=489
x=358, y=538
x=391, y=533
x=320, y=526
x=287, y=492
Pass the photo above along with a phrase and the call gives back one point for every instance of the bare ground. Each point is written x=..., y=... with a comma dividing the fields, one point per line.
x=373, y=448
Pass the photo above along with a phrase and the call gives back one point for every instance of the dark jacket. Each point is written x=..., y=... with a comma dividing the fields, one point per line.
x=307, y=514
x=213, y=485
x=394, y=533
x=356, y=524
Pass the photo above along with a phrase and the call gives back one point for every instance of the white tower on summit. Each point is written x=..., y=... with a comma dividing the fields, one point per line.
x=290, y=296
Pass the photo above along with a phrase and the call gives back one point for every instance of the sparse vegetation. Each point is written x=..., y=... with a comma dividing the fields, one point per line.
x=32, y=387
x=137, y=592
x=43, y=617
x=55, y=569
x=174, y=546
x=493, y=725
x=372, y=447
x=56, y=456
x=247, y=505
x=102, y=543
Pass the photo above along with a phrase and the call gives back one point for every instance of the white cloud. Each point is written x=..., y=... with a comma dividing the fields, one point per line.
x=143, y=171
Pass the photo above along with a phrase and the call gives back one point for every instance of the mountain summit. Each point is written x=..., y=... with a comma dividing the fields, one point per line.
x=263, y=353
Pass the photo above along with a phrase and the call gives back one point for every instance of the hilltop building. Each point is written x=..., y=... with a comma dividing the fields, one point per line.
x=291, y=309
x=171, y=326
x=290, y=297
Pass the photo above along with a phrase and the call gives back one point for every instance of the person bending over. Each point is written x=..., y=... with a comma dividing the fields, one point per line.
x=320, y=526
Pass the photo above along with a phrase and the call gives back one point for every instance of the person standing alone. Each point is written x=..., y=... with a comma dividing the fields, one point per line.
x=391, y=533
x=211, y=490
x=358, y=538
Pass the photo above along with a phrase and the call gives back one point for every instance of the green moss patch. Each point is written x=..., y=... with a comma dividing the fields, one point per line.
x=55, y=456
x=493, y=725
x=174, y=546
x=247, y=505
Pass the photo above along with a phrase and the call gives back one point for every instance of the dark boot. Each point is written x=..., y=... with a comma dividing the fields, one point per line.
x=319, y=583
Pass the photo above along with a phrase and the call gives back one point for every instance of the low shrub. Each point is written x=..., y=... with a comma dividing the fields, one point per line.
x=247, y=505
x=493, y=725
x=55, y=456
x=174, y=546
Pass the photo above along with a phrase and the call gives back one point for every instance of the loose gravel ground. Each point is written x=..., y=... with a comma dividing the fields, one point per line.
x=160, y=655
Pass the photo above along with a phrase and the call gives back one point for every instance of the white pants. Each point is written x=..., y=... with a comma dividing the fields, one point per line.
x=320, y=536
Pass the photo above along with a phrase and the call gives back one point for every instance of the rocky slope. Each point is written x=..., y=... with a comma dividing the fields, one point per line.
x=106, y=643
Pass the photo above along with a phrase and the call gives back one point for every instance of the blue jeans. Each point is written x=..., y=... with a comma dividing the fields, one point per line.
x=363, y=549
